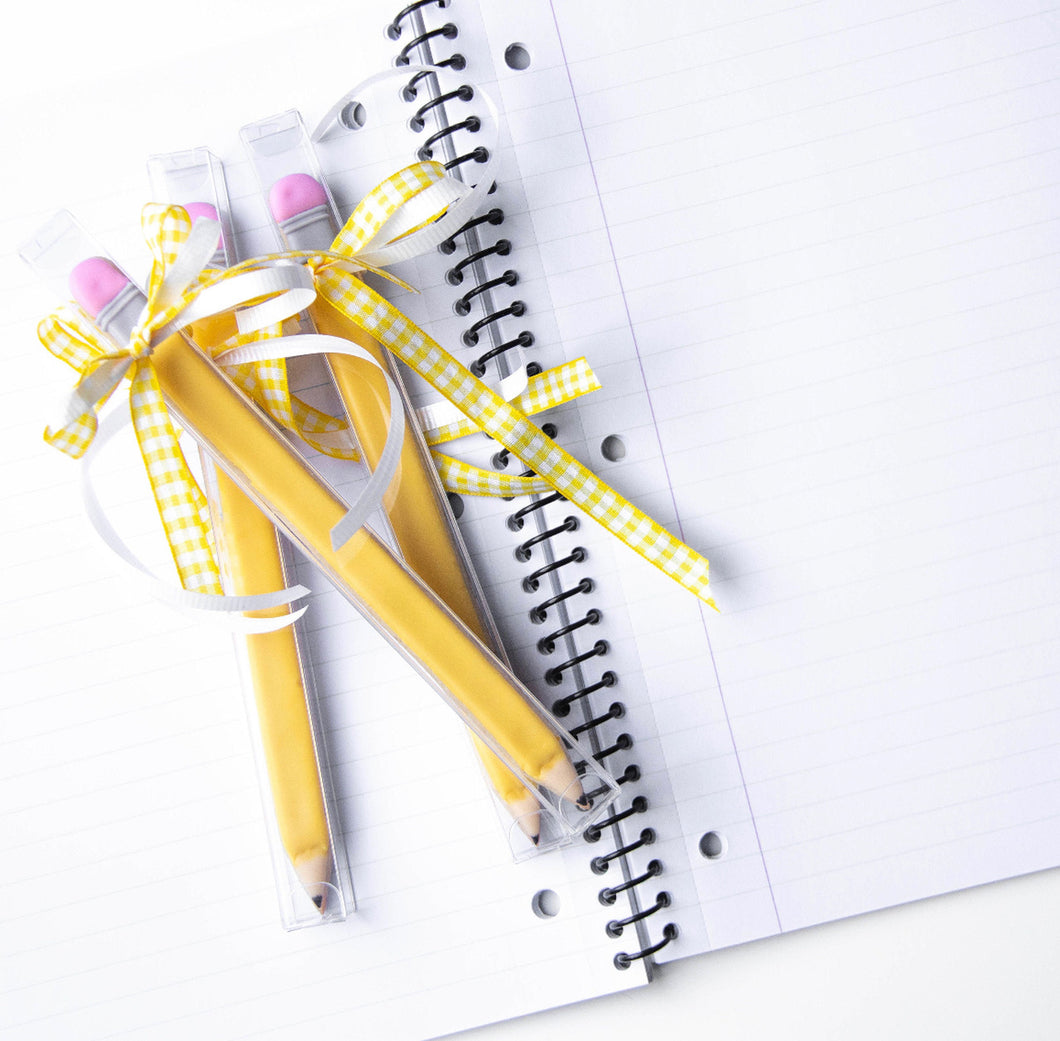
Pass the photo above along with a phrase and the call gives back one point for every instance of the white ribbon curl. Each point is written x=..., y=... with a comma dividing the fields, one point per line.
x=232, y=607
x=282, y=289
x=302, y=344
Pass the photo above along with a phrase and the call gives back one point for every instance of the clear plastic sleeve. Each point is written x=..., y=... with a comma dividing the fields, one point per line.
x=195, y=179
x=308, y=856
x=305, y=216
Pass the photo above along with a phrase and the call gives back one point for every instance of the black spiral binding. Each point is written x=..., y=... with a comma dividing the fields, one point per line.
x=560, y=601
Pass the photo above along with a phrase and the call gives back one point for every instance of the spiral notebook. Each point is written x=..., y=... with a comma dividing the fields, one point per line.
x=810, y=252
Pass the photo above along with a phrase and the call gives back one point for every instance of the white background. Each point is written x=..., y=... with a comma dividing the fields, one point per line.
x=974, y=965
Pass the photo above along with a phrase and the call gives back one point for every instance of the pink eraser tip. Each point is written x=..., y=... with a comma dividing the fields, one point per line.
x=196, y=210
x=95, y=282
x=295, y=194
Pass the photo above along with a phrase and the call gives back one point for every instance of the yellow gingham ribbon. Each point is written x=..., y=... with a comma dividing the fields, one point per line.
x=181, y=504
x=384, y=209
x=543, y=391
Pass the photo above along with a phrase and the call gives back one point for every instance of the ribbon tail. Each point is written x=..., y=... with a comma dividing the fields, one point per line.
x=386, y=467
x=180, y=502
x=465, y=479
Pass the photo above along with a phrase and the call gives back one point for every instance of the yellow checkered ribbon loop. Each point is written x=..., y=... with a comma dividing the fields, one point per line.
x=401, y=217
x=380, y=208
x=510, y=427
x=76, y=341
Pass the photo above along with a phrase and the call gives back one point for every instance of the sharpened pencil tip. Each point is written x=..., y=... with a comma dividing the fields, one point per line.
x=314, y=872
x=584, y=803
x=527, y=813
x=562, y=778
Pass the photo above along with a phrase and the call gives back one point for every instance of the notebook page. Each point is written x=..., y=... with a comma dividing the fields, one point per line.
x=825, y=243
x=135, y=889
x=613, y=656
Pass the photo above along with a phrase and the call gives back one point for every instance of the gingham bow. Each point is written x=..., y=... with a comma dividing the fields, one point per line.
x=176, y=293
x=502, y=420
x=103, y=365
x=182, y=505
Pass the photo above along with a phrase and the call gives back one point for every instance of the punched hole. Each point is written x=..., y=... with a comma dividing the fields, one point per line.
x=613, y=448
x=545, y=904
x=353, y=115
x=517, y=57
x=456, y=504
x=712, y=845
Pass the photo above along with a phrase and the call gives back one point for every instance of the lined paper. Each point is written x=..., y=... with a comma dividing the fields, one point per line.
x=825, y=240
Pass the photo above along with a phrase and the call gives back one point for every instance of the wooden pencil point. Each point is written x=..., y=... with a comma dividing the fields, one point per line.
x=527, y=814
x=314, y=872
x=562, y=779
